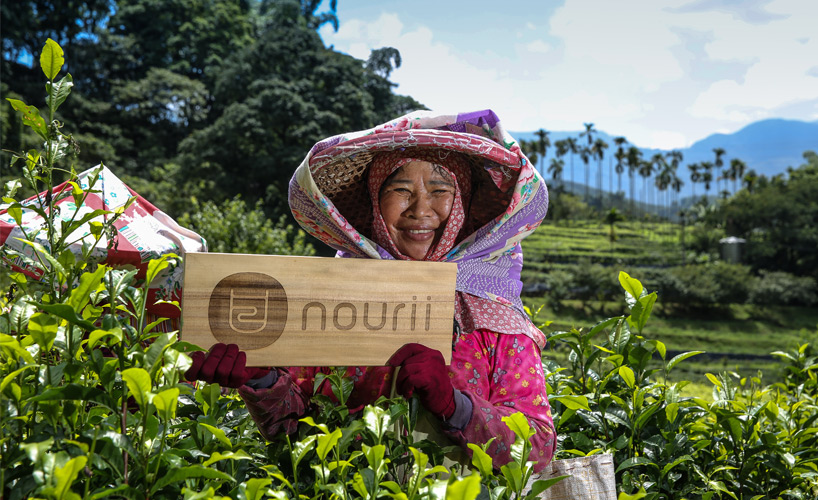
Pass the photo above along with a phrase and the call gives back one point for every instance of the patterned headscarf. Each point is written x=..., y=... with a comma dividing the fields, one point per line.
x=329, y=189
x=385, y=164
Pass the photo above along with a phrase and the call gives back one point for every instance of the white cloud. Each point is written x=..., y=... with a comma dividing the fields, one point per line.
x=614, y=63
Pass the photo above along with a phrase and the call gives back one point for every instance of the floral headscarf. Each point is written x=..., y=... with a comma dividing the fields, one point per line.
x=330, y=197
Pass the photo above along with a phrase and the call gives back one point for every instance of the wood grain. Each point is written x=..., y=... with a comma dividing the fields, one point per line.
x=315, y=311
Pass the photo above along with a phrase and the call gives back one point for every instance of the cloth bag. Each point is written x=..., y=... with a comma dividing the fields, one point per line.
x=590, y=478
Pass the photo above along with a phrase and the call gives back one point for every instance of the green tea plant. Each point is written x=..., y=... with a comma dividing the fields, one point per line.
x=750, y=442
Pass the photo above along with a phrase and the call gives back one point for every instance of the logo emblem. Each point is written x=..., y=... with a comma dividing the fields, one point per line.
x=248, y=309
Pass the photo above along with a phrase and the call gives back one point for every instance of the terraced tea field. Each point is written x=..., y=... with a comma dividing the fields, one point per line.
x=739, y=337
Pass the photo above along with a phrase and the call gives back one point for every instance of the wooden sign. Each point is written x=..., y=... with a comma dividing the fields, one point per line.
x=315, y=311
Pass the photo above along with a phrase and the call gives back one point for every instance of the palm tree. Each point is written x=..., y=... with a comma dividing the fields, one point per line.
x=530, y=150
x=543, y=143
x=555, y=168
x=662, y=182
x=719, y=152
x=707, y=177
x=737, y=168
x=645, y=171
x=611, y=218
x=675, y=158
x=657, y=162
x=585, y=154
x=749, y=180
x=695, y=176
x=676, y=184
x=634, y=158
x=620, y=156
x=573, y=148
x=598, y=150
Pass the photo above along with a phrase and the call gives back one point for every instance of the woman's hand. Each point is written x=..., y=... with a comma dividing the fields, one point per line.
x=423, y=372
x=225, y=365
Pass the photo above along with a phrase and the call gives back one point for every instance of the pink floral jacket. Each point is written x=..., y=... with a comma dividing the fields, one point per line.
x=501, y=374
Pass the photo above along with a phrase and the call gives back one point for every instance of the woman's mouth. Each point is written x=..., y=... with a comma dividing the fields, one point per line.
x=419, y=234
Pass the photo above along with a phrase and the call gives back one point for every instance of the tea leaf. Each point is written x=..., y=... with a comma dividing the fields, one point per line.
x=89, y=282
x=481, y=460
x=217, y=457
x=67, y=474
x=255, y=488
x=573, y=402
x=60, y=90
x=519, y=425
x=43, y=329
x=13, y=375
x=166, y=402
x=631, y=285
x=218, y=434
x=190, y=472
x=627, y=375
x=51, y=59
x=541, y=485
x=67, y=313
x=466, y=488
x=326, y=442
x=636, y=496
x=75, y=392
x=30, y=116
x=513, y=474
x=633, y=462
x=139, y=385
x=681, y=357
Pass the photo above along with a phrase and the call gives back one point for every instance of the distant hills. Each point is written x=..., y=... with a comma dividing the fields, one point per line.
x=767, y=146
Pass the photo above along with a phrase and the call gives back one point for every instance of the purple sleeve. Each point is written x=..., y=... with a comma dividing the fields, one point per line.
x=502, y=374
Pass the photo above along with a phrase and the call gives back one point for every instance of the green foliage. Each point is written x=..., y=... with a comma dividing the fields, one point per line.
x=751, y=441
x=207, y=98
x=703, y=285
x=780, y=288
x=230, y=227
x=777, y=218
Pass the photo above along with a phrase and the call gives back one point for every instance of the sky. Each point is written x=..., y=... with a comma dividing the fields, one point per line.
x=662, y=73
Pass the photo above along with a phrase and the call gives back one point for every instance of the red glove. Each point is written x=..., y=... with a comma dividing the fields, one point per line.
x=224, y=365
x=423, y=372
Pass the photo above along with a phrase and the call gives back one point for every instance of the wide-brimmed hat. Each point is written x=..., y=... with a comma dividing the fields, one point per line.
x=338, y=165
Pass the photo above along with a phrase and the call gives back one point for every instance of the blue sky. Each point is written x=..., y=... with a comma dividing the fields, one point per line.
x=663, y=73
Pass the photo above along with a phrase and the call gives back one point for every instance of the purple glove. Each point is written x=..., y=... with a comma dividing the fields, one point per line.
x=224, y=365
x=423, y=372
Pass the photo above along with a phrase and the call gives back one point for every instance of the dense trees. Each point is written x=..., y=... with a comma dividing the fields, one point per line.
x=777, y=218
x=197, y=99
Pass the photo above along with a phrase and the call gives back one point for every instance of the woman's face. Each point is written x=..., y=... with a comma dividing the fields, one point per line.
x=416, y=201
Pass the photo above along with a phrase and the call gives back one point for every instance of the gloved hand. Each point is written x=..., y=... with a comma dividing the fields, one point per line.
x=423, y=372
x=224, y=365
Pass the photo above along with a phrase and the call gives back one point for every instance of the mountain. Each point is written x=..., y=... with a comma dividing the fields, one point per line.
x=767, y=146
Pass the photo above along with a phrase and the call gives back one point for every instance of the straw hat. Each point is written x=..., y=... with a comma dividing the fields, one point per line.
x=338, y=165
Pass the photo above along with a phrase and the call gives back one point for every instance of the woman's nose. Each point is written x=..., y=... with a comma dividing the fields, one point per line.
x=421, y=206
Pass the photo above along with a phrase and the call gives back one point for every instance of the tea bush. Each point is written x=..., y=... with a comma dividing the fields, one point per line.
x=93, y=404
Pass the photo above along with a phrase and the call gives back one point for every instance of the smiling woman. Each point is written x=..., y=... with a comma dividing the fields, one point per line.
x=415, y=203
x=413, y=200
x=441, y=188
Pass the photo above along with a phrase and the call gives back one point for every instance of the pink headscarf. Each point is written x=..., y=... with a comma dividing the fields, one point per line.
x=384, y=164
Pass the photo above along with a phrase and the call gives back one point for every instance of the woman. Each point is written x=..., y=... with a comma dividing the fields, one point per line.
x=451, y=188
